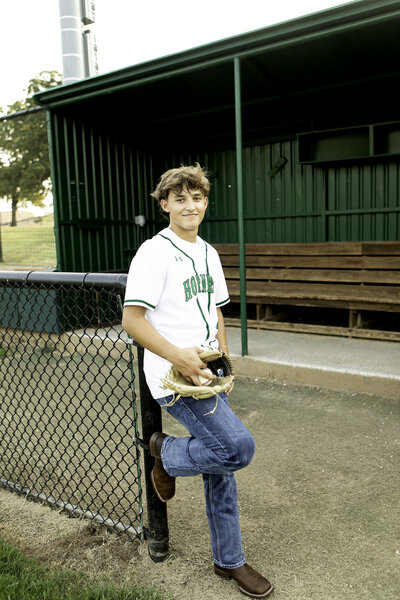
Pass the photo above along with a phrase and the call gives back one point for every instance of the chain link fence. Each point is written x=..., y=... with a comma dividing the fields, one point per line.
x=67, y=401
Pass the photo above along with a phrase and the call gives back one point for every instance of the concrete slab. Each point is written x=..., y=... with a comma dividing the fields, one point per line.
x=334, y=362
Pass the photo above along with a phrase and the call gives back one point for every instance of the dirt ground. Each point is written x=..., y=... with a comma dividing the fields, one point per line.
x=319, y=506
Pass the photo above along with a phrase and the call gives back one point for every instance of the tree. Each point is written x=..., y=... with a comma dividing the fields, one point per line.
x=24, y=153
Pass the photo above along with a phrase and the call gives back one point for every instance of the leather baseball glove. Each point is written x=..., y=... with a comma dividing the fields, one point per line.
x=218, y=363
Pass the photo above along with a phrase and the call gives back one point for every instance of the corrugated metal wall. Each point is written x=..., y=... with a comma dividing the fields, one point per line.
x=363, y=201
x=286, y=206
x=102, y=183
x=300, y=203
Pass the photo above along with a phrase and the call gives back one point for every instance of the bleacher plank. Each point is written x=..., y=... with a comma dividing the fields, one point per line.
x=317, y=262
x=380, y=248
x=314, y=249
x=288, y=290
x=338, y=275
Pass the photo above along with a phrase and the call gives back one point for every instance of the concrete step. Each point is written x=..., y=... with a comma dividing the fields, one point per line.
x=328, y=361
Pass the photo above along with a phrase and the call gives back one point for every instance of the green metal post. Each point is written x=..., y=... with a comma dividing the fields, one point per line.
x=239, y=185
x=1, y=247
x=52, y=149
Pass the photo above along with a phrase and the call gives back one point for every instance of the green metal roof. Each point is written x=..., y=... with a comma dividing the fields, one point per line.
x=334, y=68
x=349, y=23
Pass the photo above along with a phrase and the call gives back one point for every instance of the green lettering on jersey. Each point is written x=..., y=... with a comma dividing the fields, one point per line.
x=193, y=285
x=198, y=284
x=186, y=286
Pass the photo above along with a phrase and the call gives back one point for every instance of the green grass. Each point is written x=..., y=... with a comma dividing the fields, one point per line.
x=5, y=353
x=28, y=245
x=23, y=579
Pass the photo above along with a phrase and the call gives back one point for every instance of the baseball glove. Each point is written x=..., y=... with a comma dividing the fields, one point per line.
x=218, y=363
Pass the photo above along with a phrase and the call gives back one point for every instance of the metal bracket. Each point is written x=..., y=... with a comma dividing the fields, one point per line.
x=141, y=443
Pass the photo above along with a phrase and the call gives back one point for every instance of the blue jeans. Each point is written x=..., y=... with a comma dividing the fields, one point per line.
x=218, y=446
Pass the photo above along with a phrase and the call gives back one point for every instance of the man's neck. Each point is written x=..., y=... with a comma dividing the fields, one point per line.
x=186, y=235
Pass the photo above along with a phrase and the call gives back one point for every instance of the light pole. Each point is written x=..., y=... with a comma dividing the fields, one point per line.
x=79, y=52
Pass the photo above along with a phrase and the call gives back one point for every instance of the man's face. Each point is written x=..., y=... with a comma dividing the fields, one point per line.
x=186, y=210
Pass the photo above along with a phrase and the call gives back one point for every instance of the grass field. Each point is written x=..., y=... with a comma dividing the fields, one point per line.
x=24, y=579
x=28, y=246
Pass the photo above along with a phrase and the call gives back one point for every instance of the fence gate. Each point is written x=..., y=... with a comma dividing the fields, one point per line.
x=67, y=401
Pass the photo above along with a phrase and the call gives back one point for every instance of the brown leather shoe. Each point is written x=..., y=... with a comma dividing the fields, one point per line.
x=249, y=581
x=163, y=484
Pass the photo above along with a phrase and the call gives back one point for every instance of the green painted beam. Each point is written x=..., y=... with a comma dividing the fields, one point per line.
x=239, y=185
x=53, y=174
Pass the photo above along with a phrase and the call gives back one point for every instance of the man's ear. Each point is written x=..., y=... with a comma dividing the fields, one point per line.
x=164, y=205
x=206, y=201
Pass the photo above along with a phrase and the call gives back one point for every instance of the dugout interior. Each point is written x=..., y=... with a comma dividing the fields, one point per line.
x=320, y=127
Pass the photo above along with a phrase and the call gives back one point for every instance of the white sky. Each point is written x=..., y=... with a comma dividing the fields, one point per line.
x=128, y=31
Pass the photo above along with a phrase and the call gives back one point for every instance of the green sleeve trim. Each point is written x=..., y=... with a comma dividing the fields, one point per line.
x=136, y=301
x=218, y=304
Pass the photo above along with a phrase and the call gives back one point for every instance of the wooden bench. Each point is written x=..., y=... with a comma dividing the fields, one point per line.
x=352, y=276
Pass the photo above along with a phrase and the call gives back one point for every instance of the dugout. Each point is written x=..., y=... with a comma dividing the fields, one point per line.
x=302, y=116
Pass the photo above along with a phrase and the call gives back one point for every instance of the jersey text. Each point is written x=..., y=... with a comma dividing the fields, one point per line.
x=199, y=284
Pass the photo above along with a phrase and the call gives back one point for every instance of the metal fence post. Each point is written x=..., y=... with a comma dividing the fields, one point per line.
x=157, y=534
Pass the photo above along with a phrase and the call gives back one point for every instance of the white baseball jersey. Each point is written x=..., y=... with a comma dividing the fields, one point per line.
x=181, y=284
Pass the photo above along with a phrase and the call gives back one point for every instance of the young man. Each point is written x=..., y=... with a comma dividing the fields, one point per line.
x=174, y=294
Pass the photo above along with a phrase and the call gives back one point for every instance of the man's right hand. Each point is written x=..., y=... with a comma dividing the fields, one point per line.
x=190, y=365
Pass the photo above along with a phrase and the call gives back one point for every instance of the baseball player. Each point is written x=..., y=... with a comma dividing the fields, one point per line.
x=174, y=294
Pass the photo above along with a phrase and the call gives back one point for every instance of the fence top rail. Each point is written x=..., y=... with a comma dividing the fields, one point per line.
x=93, y=280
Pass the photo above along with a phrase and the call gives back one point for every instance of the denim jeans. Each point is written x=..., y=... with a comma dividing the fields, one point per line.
x=218, y=446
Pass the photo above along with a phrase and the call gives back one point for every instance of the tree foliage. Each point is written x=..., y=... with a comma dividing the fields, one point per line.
x=24, y=154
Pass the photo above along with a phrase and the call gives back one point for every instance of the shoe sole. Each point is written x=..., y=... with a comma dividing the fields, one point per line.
x=226, y=576
x=271, y=589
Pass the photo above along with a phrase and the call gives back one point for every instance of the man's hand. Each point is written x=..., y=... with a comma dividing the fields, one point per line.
x=230, y=389
x=189, y=364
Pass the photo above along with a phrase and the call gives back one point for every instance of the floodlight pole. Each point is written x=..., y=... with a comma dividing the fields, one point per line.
x=71, y=40
x=78, y=45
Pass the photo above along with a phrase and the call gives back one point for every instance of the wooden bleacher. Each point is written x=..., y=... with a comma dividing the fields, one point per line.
x=357, y=277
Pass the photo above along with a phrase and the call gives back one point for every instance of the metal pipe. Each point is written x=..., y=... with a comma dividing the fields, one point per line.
x=94, y=280
x=72, y=509
x=239, y=185
x=22, y=113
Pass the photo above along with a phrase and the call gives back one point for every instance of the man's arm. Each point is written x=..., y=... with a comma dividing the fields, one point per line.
x=186, y=360
x=222, y=339
x=221, y=335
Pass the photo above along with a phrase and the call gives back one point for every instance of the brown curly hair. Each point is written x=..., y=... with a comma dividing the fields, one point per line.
x=191, y=177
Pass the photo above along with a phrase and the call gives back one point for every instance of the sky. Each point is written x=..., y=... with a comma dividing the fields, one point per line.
x=128, y=32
